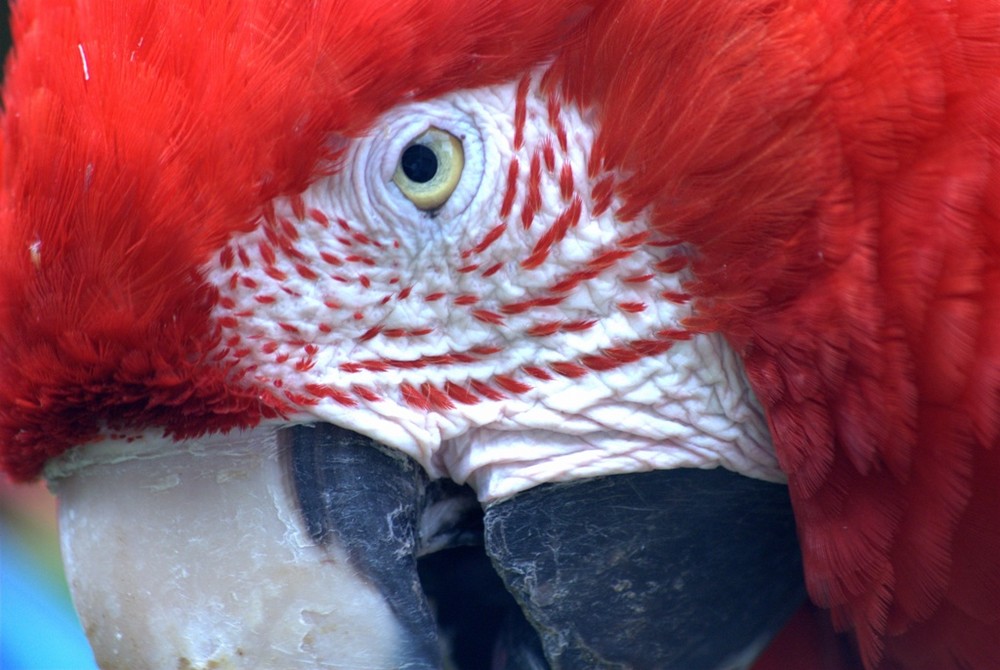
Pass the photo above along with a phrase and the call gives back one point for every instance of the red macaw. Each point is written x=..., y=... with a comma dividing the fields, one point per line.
x=294, y=295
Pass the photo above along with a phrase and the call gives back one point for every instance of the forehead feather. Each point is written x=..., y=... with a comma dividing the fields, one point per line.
x=138, y=139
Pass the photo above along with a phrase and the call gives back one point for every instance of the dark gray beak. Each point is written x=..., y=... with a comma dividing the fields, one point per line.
x=313, y=547
x=687, y=569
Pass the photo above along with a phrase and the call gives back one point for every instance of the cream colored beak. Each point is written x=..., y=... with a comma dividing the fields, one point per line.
x=192, y=555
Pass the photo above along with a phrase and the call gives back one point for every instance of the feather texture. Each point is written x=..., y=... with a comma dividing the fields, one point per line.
x=142, y=136
x=835, y=165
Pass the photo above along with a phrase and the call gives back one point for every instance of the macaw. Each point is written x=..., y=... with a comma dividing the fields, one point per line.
x=570, y=334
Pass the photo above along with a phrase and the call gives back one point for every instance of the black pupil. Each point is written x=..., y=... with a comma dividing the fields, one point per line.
x=419, y=163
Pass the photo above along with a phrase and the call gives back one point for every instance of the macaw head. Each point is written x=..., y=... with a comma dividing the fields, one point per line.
x=297, y=299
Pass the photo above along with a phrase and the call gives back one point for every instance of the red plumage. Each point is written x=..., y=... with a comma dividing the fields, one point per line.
x=138, y=141
x=836, y=166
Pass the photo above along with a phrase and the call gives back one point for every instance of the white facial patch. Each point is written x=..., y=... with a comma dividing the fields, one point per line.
x=518, y=334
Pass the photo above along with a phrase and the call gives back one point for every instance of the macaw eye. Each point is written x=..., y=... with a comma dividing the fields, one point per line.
x=429, y=168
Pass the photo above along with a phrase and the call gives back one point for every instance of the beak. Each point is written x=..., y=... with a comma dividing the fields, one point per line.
x=195, y=556
x=313, y=547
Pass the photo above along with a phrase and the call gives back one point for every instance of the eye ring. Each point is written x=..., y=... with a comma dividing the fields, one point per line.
x=429, y=168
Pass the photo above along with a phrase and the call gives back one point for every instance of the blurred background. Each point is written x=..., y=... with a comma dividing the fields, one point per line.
x=38, y=627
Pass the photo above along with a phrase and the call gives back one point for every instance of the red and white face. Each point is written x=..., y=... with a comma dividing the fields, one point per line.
x=294, y=295
x=498, y=323
x=461, y=288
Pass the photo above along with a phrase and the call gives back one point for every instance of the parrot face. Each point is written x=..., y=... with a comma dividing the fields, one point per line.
x=512, y=332
x=509, y=332
x=576, y=334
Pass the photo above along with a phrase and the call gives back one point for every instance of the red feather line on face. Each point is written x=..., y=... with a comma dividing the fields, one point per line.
x=122, y=180
x=288, y=344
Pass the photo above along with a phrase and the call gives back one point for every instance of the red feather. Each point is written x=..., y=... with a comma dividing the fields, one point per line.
x=835, y=164
x=837, y=167
x=808, y=642
x=139, y=139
